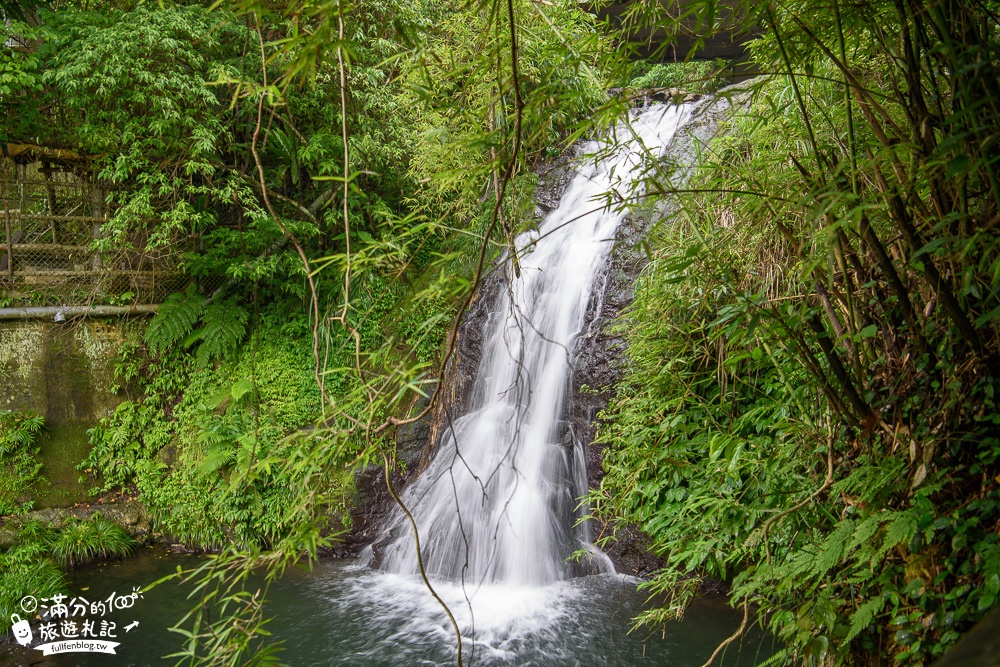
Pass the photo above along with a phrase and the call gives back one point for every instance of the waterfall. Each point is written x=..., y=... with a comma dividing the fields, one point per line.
x=500, y=500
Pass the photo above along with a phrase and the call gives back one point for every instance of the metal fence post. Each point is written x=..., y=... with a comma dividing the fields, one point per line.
x=10, y=235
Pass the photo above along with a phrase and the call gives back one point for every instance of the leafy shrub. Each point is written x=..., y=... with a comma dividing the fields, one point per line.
x=809, y=410
x=194, y=432
x=223, y=326
x=32, y=565
x=695, y=77
x=175, y=319
x=27, y=568
x=20, y=470
x=83, y=541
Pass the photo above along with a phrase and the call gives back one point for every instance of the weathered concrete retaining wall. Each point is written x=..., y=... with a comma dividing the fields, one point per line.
x=64, y=372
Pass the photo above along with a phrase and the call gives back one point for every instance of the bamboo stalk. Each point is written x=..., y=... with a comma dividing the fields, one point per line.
x=837, y=366
x=934, y=278
x=902, y=294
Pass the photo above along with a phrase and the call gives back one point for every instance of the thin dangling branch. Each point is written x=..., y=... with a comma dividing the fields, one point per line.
x=314, y=298
x=345, y=307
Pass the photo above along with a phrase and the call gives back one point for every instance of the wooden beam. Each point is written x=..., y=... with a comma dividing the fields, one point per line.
x=54, y=247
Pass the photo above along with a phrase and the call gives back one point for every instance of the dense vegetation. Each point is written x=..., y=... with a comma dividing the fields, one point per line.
x=32, y=566
x=809, y=409
x=236, y=165
x=20, y=471
x=315, y=306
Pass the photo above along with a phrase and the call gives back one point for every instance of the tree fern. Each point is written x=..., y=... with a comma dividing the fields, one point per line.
x=223, y=327
x=174, y=320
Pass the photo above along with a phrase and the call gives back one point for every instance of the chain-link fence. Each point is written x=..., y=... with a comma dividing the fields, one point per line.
x=50, y=227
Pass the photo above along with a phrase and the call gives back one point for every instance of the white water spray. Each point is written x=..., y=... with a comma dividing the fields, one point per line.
x=499, y=500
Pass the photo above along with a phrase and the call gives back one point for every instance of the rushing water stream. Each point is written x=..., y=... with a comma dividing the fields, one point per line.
x=343, y=614
x=499, y=501
x=498, y=509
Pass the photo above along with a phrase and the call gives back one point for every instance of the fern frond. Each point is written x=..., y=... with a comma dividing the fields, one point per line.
x=218, y=455
x=833, y=548
x=223, y=327
x=862, y=618
x=174, y=320
x=901, y=529
x=864, y=533
x=779, y=658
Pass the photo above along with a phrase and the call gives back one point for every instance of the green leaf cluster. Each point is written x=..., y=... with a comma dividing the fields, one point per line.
x=32, y=566
x=809, y=405
x=20, y=470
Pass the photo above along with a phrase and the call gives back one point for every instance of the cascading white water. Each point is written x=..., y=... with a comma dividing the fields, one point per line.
x=499, y=500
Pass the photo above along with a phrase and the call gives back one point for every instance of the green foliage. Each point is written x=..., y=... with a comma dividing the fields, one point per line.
x=425, y=326
x=20, y=470
x=466, y=132
x=80, y=542
x=695, y=77
x=27, y=569
x=809, y=410
x=227, y=623
x=32, y=565
x=223, y=328
x=236, y=168
x=189, y=439
x=107, y=67
x=174, y=320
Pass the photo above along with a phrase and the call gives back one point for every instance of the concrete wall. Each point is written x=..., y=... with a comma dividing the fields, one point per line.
x=64, y=372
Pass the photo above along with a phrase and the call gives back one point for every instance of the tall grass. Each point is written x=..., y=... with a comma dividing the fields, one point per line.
x=34, y=565
x=83, y=541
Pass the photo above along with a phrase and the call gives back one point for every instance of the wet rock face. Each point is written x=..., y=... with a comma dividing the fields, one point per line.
x=128, y=514
x=412, y=438
x=373, y=503
x=601, y=353
x=455, y=397
x=372, y=507
x=597, y=369
x=415, y=442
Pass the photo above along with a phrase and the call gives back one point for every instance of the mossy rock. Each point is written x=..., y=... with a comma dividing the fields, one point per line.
x=131, y=515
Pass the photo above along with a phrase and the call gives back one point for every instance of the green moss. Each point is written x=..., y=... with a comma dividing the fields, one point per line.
x=61, y=449
x=63, y=373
